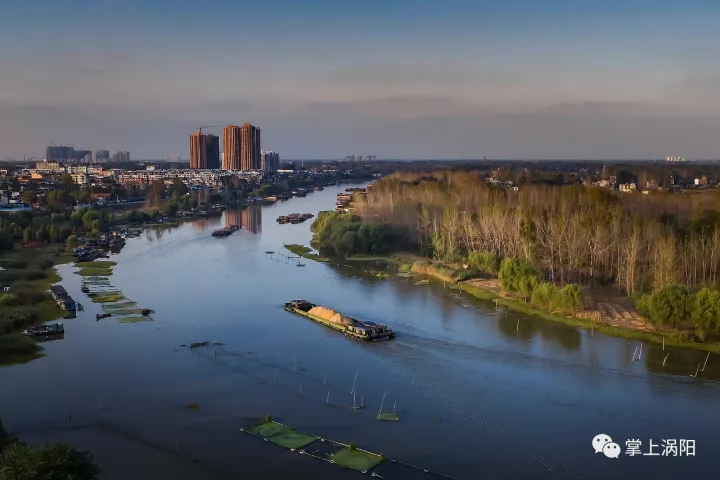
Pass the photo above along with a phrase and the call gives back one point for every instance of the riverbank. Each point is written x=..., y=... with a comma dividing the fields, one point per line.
x=447, y=274
x=29, y=273
x=460, y=279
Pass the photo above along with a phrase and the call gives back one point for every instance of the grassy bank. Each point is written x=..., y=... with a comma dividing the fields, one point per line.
x=29, y=273
x=449, y=275
x=305, y=252
x=95, y=269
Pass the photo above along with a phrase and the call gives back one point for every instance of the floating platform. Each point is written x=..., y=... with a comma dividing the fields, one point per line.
x=343, y=455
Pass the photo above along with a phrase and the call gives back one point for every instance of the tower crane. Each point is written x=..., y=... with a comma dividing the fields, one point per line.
x=200, y=128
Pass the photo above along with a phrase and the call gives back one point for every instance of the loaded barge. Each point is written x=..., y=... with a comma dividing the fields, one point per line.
x=368, y=331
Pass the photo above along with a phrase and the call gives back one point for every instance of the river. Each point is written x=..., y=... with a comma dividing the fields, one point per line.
x=480, y=393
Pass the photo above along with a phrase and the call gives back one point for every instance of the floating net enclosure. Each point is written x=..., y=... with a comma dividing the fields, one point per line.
x=282, y=435
x=356, y=459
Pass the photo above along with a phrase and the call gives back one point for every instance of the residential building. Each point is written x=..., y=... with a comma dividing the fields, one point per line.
x=231, y=148
x=269, y=161
x=249, y=147
x=59, y=153
x=102, y=155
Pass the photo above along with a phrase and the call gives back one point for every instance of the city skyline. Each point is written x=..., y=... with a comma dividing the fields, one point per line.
x=511, y=79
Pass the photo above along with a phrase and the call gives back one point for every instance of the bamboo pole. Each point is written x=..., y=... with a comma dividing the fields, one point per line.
x=381, y=404
x=665, y=359
x=706, y=360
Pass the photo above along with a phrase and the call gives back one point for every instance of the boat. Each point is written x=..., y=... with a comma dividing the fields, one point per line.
x=41, y=330
x=84, y=289
x=221, y=232
x=363, y=330
x=98, y=316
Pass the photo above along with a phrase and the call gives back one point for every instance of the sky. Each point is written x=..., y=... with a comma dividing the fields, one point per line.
x=408, y=79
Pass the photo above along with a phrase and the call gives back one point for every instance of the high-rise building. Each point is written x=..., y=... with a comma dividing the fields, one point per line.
x=231, y=148
x=204, y=151
x=59, y=153
x=102, y=155
x=250, y=147
x=120, y=157
x=212, y=152
x=197, y=150
x=269, y=161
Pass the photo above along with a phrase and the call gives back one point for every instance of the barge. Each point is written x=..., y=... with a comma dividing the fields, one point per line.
x=363, y=330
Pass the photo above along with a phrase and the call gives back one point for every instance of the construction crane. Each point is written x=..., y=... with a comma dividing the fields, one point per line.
x=199, y=129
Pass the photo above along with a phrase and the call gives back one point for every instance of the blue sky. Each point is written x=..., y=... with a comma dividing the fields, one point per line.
x=398, y=79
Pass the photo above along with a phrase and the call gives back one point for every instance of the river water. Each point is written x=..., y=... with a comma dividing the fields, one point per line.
x=480, y=393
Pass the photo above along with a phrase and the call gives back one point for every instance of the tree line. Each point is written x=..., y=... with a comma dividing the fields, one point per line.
x=569, y=234
x=19, y=461
x=47, y=227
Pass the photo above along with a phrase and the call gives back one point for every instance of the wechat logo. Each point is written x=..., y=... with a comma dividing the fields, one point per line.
x=604, y=444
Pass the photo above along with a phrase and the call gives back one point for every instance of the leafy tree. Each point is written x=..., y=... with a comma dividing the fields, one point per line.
x=545, y=295
x=29, y=196
x=178, y=188
x=53, y=462
x=705, y=312
x=72, y=241
x=671, y=305
x=571, y=298
x=484, y=261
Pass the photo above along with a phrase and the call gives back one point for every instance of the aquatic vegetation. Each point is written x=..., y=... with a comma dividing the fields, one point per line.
x=16, y=348
x=95, y=272
x=389, y=416
x=108, y=298
x=304, y=251
x=422, y=282
x=96, y=264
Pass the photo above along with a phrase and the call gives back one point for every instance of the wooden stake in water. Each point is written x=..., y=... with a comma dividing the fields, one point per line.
x=354, y=380
x=394, y=405
x=328, y=398
x=300, y=389
x=634, y=353
x=663, y=335
x=362, y=402
x=640, y=354
x=665, y=359
x=295, y=366
x=517, y=328
x=696, y=371
x=381, y=404
x=706, y=359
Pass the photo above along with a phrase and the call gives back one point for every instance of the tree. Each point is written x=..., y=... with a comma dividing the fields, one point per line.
x=706, y=312
x=52, y=462
x=178, y=188
x=671, y=305
x=29, y=197
x=72, y=241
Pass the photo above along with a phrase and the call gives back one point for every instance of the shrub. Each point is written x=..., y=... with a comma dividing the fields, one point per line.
x=484, y=261
x=9, y=300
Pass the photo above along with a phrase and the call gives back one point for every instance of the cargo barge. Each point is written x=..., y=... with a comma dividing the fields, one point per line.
x=363, y=330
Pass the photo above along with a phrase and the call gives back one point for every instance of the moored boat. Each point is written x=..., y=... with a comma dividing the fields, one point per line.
x=363, y=330
x=41, y=330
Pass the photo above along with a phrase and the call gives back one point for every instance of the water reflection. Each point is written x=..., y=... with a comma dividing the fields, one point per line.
x=252, y=219
x=233, y=217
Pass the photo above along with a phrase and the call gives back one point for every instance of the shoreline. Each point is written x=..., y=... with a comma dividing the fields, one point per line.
x=23, y=349
x=513, y=304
